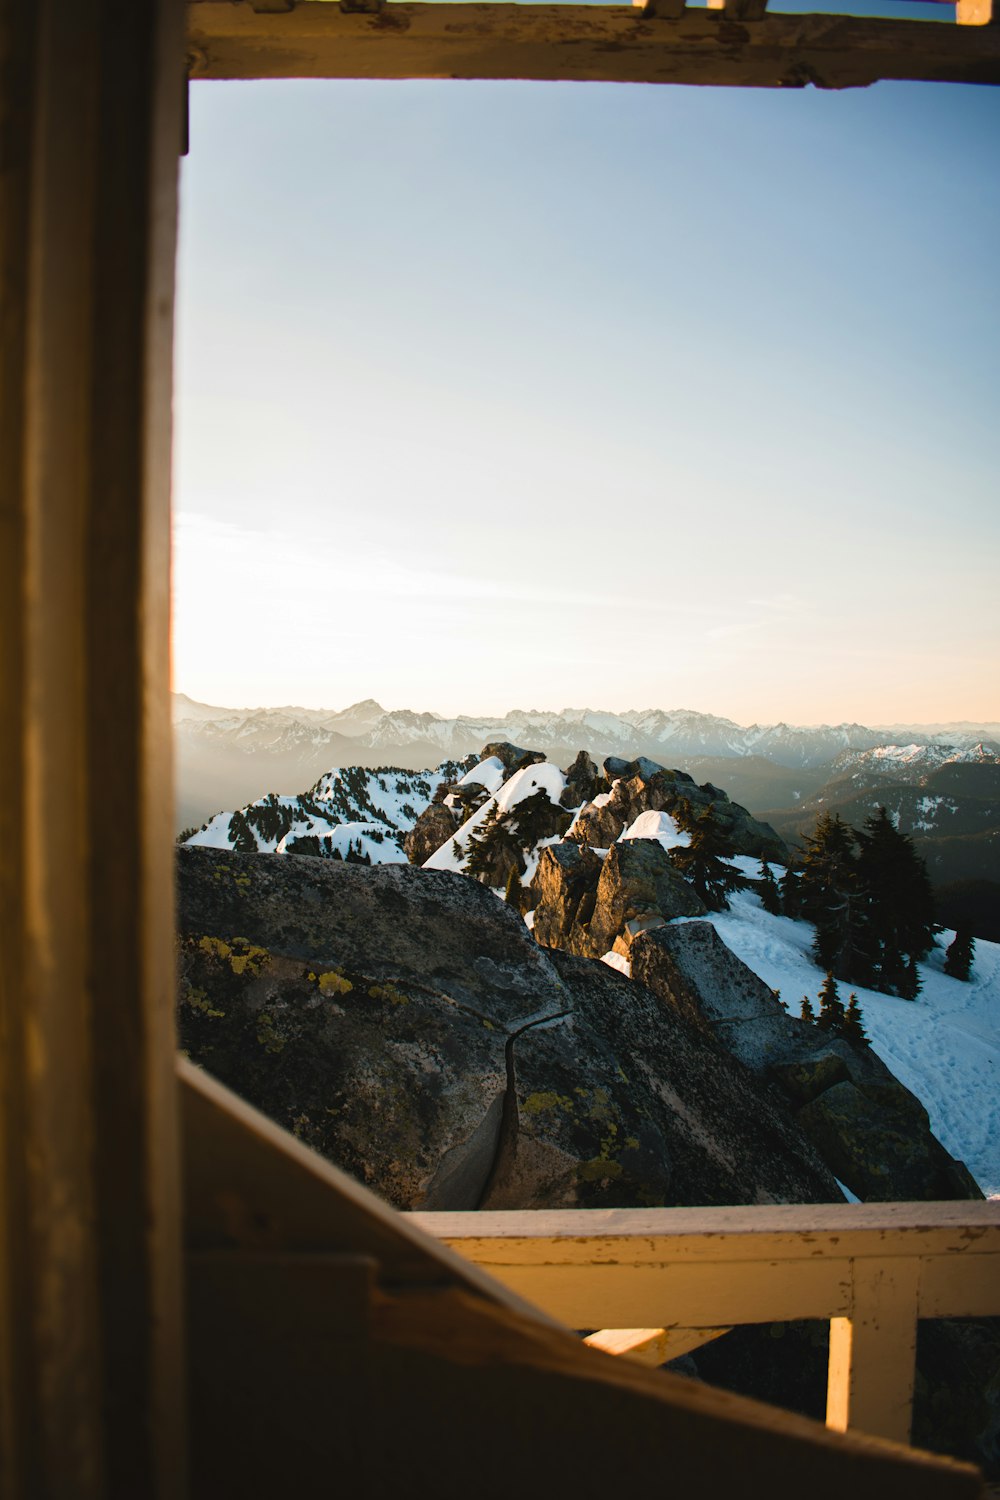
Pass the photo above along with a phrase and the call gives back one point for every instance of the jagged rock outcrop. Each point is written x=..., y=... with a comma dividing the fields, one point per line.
x=564, y=890
x=404, y=1023
x=514, y=757
x=435, y=825
x=873, y=1134
x=586, y=902
x=615, y=1107
x=642, y=786
x=638, y=880
x=583, y=782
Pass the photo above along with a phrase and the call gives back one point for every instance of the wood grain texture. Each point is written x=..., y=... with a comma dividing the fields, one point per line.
x=609, y=43
x=89, y=1236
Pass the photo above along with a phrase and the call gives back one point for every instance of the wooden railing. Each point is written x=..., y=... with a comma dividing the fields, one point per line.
x=660, y=1282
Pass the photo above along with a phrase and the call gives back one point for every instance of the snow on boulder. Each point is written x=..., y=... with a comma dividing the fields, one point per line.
x=658, y=825
x=488, y=773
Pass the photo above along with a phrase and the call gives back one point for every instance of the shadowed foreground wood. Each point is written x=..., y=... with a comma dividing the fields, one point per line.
x=333, y=1345
x=614, y=44
x=871, y=1269
x=90, y=1248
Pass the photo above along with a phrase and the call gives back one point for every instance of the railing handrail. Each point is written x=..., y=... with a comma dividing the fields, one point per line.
x=872, y=1269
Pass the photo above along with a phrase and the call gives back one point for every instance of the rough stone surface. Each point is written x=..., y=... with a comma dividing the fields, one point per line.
x=583, y=782
x=873, y=1134
x=435, y=825
x=564, y=889
x=638, y=879
x=513, y=756
x=586, y=904
x=688, y=964
x=404, y=1023
x=642, y=786
x=880, y=1145
x=621, y=1103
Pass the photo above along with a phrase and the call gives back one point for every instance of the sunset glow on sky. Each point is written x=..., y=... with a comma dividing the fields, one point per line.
x=536, y=395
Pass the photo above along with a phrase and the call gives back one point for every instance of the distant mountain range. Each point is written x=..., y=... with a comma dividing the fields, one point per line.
x=226, y=757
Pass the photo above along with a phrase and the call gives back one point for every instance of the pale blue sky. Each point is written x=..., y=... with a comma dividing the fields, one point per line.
x=520, y=394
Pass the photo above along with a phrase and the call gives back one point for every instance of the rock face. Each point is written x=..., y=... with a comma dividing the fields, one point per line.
x=586, y=903
x=583, y=782
x=564, y=889
x=616, y=1106
x=642, y=786
x=435, y=825
x=514, y=757
x=638, y=880
x=871, y=1132
x=404, y=1023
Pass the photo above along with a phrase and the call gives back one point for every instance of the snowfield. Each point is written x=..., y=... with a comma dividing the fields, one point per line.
x=944, y=1046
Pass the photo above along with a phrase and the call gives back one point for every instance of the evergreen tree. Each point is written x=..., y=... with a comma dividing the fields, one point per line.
x=512, y=894
x=899, y=905
x=704, y=861
x=791, y=899
x=536, y=817
x=806, y=1011
x=853, y=1027
x=831, y=1008
x=487, y=845
x=831, y=897
x=767, y=890
x=910, y=984
x=958, y=958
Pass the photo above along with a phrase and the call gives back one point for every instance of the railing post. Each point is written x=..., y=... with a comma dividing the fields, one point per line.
x=873, y=1352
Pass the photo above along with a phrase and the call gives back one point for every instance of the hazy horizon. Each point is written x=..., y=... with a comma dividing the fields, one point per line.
x=522, y=393
x=319, y=707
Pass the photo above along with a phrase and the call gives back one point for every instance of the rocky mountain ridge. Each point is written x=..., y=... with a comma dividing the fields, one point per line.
x=227, y=756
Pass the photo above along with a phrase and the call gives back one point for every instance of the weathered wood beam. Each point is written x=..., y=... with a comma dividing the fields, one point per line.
x=873, y=1352
x=91, y=1401
x=871, y=1269
x=616, y=44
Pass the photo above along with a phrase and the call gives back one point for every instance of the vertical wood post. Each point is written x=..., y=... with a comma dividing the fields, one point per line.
x=90, y=1358
x=873, y=1353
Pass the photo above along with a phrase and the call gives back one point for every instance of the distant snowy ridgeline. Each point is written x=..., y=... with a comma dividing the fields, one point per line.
x=351, y=813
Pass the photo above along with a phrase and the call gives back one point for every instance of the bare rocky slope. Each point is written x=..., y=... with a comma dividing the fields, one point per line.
x=405, y=1024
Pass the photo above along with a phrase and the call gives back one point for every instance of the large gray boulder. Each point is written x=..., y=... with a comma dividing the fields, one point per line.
x=514, y=757
x=587, y=903
x=564, y=890
x=617, y=1105
x=638, y=880
x=872, y=1133
x=434, y=827
x=404, y=1023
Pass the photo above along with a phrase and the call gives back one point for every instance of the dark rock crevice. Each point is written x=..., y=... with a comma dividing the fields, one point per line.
x=509, y=1123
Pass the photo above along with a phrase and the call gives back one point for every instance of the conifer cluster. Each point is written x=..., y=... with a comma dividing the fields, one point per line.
x=834, y=1016
x=704, y=862
x=958, y=955
x=869, y=897
x=489, y=842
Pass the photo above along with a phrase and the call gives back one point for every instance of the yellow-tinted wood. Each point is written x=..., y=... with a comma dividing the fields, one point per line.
x=872, y=1269
x=652, y=1346
x=873, y=1352
x=976, y=12
x=90, y=1319
x=611, y=43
